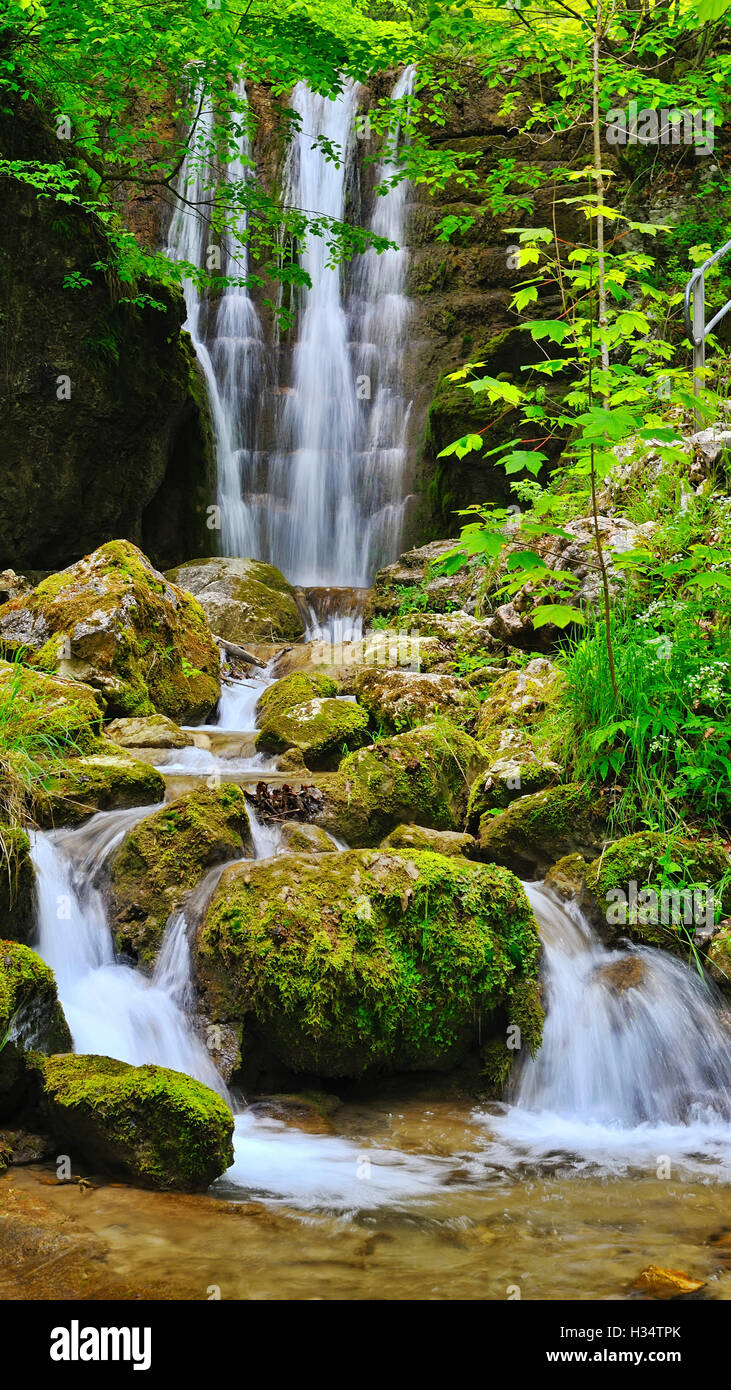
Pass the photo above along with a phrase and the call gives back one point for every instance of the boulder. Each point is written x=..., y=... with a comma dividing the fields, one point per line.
x=397, y=700
x=168, y=854
x=17, y=885
x=421, y=777
x=537, y=830
x=30, y=1018
x=116, y=624
x=244, y=600
x=448, y=842
x=154, y=731
x=367, y=960
x=301, y=711
x=514, y=771
x=155, y=1127
x=65, y=712
x=108, y=779
x=519, y=699
x=301, y=838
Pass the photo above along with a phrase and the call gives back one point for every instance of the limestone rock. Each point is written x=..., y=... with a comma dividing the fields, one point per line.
x=156, y=731
x=244, y=600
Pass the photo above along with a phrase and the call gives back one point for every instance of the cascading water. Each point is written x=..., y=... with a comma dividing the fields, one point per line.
x=636, y=1055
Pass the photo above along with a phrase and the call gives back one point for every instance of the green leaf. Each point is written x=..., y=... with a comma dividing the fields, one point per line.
x=560, y=614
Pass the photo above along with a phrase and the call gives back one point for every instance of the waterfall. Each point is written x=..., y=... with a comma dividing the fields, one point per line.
x=322, y=498
x=636, y=1054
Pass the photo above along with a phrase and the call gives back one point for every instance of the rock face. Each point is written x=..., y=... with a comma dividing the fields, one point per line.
x=537, y=830
x=244, y=600
x=108, y=779
x=106, y=428
x=421, y=777
x=114, y=622
x=156, y=731
x=30, y=1017
x=166, y=856
x=156, y=1127
x=366, y=960
x=300, y=711
x=397, y=700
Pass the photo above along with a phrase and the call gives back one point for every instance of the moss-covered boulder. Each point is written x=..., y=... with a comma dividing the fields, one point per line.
x=519, y=700
x=397, y=700
x=30, y=1018
x=66, y=712
x=156, y=1127
x=244, y=600
x=421, y=777
x=539, y=829
x=656, y=889
x=154, y=731
x=302, y=838
x=300, y=711
x=366, y=960
x=115, y=623
x=17, y=885
x=448, y=842
x=515, y=770
x=167, y=855
x=107, y=779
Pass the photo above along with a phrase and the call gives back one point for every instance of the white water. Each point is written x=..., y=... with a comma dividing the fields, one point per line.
x=622, y=1076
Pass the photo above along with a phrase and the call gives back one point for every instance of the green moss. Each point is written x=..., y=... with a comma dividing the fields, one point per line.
x=17, y=885
x=421, y=777
x=30, y=1017
x=297, y=689
x=244, y=600
x=537, y=830
x=366, y=960
x=106, y=779
x=158, y=1127
x=168, y=854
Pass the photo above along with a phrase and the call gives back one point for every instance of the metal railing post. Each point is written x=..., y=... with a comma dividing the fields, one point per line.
x=699, y=325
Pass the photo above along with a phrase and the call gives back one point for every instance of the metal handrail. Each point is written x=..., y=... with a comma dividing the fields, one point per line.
x=695, y=322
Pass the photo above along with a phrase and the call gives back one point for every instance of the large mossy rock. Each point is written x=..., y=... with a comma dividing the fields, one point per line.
x=156, y=1127
x=115, y=623
x=397, y=700
x=17, y=885
x=64, y=711
x=421, y=777
x=367, y=960
x=30, y=1018
x=301, y=711
x=107, y=779
x=624, y=887
x=167, y=855
x=537, y=830
x=244, y=600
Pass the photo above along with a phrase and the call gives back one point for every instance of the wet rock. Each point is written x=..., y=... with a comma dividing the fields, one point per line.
x=397, y=700
x=624, y=974
x=421, y=777
x=513, y=772
x=24, y=1147
x=301, y=711
x=537, y=830
x=223, y=1042
x=167, y=855
x=109, y=779
x=367, y=960
x=17, y=886
x=718, y=957
x=655, y=1282
x=156, y=731
x=244, y=600
x=115, y=623
x=447, y=842
x=30, y=1018
x=154, y=1126
x=567, y=878
x=297, y=1112
x=305, y=839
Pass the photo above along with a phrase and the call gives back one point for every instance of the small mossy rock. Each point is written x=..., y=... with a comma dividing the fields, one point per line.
x=567, y=878
x=635, y=863
x=718, y=958
x=537, y=830
x=519, y=700
x=165, y=856
x=323, y=730
x=31, y=1018
x=421, y=777
x=244, y=600
x=154, y=1126
x=301, y=838
x=70, y=711
x=17, y=885
x=513, y=772
x=154, y=731
x=114, y=622
x=109, y=779
x=447, y=842
x=397, y=700
x=366, y=960
x=297, y=688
